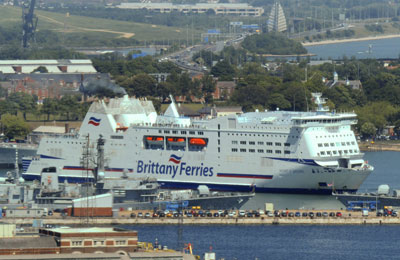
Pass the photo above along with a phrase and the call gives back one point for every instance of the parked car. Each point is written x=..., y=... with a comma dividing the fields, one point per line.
x=291, y=214
x=270, y=214
x=311, y=214
x=249, y=214
x=325, y=214
x=284, y=214
x=338, y=214
x=319, y=214
x=216, y=215
x=242, y=213
x=331, y=214
x=297, y=214
x=304, y=214
x=140, y=215
x=133, y=215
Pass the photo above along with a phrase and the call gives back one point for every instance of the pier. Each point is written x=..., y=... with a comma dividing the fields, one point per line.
x=348, y=218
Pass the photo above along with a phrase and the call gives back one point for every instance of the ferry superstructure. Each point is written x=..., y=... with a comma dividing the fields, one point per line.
x=272, y=151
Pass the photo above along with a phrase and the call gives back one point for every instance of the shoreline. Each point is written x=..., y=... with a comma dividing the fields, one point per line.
x=369, y=38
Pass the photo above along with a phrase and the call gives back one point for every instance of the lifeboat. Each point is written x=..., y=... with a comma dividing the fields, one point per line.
x=121, y=127
x=197, y=141
x=155, y=140
x=176, y=140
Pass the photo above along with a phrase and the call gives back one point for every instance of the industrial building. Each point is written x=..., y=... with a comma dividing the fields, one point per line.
x=241, y=9
x=49, y=66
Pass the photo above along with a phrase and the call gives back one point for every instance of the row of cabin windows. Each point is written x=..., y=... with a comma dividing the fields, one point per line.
x=182, y=132
x=322, y=121
x=333, y=136
x=263, y=135
x=336, y=152
x=337, y=144
x=243, y=150
x=261, y=143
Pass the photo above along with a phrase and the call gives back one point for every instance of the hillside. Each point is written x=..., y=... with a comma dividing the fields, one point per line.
x=87, y=31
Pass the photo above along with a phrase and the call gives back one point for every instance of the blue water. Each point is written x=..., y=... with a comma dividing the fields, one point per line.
x=387, y=170
x=385, y=48
x=281, y=242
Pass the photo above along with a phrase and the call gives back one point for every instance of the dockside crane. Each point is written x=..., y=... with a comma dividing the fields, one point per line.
x=29, y=22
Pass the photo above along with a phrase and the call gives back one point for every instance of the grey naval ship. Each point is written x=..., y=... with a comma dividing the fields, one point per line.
x=313, y=152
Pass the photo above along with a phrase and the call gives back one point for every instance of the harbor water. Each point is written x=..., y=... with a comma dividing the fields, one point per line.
x=372, y=49
x=280, y=241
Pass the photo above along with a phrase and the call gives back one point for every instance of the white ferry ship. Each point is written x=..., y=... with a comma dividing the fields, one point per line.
x=272, y=151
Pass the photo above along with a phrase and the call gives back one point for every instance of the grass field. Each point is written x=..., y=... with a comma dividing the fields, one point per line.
x=95, y=27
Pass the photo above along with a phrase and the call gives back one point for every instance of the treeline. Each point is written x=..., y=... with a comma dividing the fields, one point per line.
x=272, y=43
x=69, y=107
x=133, y=76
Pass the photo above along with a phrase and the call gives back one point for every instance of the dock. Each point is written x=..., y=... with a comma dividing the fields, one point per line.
x=263, y=220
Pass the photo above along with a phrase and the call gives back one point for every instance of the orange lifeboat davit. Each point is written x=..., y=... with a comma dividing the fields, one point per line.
x=197, y=141
x=176, y=140
x=154, y=139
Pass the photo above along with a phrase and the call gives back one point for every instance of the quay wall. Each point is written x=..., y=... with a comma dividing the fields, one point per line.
x=379, y=146
x=372, y=220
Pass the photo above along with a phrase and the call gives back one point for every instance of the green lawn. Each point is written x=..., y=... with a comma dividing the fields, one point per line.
x=94, y=27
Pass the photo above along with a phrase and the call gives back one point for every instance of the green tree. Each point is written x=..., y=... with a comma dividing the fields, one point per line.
x=368, y=129
x=14, y=126
x=49, y=107
x=140, y=85
x=26, y=103
x=223, y=70
x=68, y=105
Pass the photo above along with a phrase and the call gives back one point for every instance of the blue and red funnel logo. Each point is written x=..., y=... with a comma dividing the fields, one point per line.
x=94, y=121
x=175, y=159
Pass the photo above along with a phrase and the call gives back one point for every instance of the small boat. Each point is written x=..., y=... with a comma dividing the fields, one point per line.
x=197, y=141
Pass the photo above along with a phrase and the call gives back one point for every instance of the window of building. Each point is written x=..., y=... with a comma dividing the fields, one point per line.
x=278, y=151
x=269, y=143
x=348, y=143
x=353, y=143
x=183, y=132
x=269, y=151
x=234, y=150
x=166, y=131
x=287, y=152
x=260, y=143
x=286, y=144
x=322, y=153
x=260, y=150
x=174, y=131
x=326, y=144
x=76, y=243
x=200, y=133
x=319, y=145
x=242, y=142
x=332, y=144
x=120, y=242
x=192, y=132
x=334, y=152
x=234, y=142
x=252, y=150
x=278, y=144
x=242, y=150
x=252, y=143
x=343, y=143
